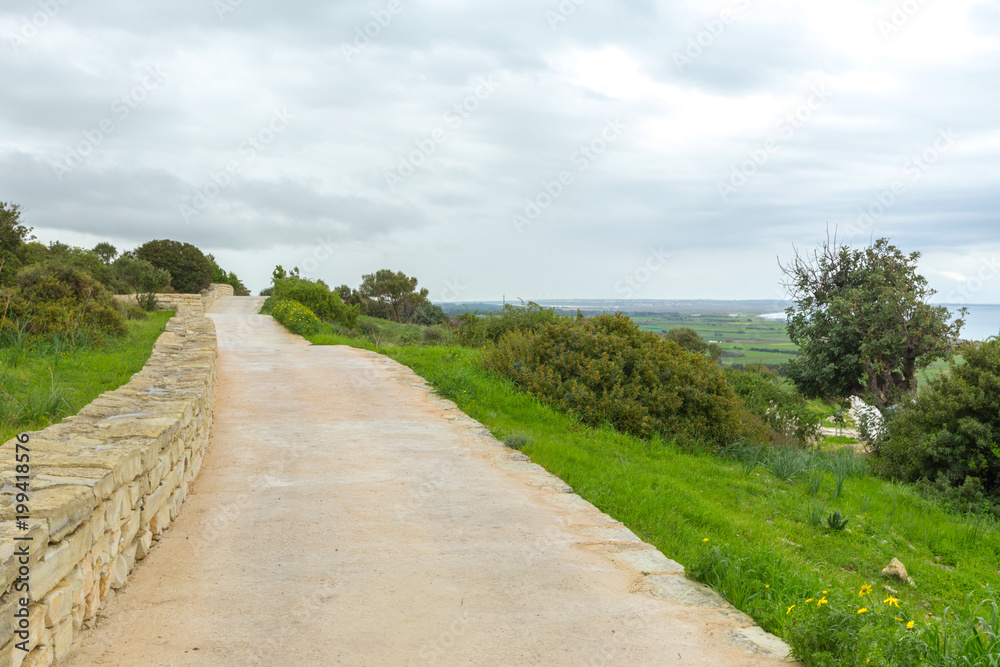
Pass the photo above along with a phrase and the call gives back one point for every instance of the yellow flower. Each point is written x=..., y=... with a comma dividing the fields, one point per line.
x=822, y=601
x=891, y=601
x=865, y=590
x=767, y=585
x=909, y=626
x=863, y=610
x=810, y=600
x=789, y=610
x=824, y=592
x=705, y=540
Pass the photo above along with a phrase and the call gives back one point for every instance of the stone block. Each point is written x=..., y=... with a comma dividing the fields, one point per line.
x=62, y=507
x=59, y=560
x=11, y=551
x=40, y=656
x=62, y=639
x=143, y=544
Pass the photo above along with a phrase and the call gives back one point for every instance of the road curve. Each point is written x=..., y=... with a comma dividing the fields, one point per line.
x=344, y=515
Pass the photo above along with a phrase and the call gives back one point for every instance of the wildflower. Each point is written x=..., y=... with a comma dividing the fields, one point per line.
x=897, y=618
x=789, y=610
x=822, y=601
x=824, y=592
x=865, y=590
x=909, y=626
x=889, y=600
x=810, y=600
x=705, y=540
x=767, y=585
x=863, y=610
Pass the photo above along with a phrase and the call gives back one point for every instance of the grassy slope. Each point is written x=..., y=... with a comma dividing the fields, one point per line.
x=44, y=387
x=748, y=535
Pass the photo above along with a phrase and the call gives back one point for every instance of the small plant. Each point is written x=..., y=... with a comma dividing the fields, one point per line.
x=816, y=514
x=786, y=463
x=866, y=501
x=835, y=521
x=816, y=478
x=517, y=441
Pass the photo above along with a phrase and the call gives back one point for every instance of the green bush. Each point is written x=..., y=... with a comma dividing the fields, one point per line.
x=317, y=297
x=297, y=318
x=54, y=298
x=785, y=412
x=476, y=329
x=951, y=432
x=190, y=270
x=606, y=370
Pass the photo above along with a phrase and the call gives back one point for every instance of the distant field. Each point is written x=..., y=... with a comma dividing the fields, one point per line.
x=737, y=334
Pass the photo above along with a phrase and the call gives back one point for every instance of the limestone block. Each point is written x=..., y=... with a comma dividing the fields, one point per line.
x=160, y=521
x=119, y=572
x=62, y=507
x=36, y=624
x=93, y=603
x=8, y=605
x=101, y=480
x=143, y=544
x=114, y=543
x=40, y=656
x=155, y=500
x=59, y=603
x=59, y=560
x=62, y=639
x=101, y=551
x=131, y=527
x=176, y=498
x=77, y=617
x=87, y=572
x=12, y=550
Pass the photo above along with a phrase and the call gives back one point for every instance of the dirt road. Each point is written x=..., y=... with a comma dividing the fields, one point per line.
x=344, y=515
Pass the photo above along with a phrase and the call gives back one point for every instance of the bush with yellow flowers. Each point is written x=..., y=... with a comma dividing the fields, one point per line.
x=297, y=318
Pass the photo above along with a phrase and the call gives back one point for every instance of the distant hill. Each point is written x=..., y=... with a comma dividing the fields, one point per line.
x=638, y=306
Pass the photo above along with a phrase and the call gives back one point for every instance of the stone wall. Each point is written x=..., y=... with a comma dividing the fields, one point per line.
x=203, y=300
x=104, y=484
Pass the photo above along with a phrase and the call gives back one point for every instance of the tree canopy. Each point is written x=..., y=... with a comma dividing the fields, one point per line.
x=863, y=322
x=391, y=295
x=13, y=237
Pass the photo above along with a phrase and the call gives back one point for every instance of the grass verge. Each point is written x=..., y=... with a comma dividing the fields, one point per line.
x=42, y=381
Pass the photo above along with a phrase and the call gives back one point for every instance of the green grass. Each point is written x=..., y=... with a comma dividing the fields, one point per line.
x=762, y=542
x=42, y=381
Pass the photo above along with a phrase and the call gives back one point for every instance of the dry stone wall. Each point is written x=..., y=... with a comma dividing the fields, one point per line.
x=202, y=300
x=104, y=484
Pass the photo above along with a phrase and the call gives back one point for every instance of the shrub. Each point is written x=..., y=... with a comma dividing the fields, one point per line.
x=190, y=270
x=297, y=318
x=951, y=432
x=476, y=329
x=317, y=297
x=54, y=298
x=785, y=412
x=141, y=278
x=606, y=370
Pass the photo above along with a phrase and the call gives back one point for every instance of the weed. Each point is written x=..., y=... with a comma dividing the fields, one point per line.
x=816, y=514
x=517, y=441
x=835, y=521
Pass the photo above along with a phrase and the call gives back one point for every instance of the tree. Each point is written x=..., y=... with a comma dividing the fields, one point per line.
x=863, y=323
x=190, y=270
x=689, y=339
x=222, y=277
x=141, y=278
x=13, y=237
x=951, y=434
x=391, y=295
x=106, y=252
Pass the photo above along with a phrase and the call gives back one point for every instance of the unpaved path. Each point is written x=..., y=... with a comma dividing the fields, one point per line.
x=344, y=515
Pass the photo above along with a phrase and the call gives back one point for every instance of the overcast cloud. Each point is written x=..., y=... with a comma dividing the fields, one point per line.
x=527, y=148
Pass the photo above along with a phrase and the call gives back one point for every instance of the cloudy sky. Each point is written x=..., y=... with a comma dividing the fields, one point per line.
x=526, y=148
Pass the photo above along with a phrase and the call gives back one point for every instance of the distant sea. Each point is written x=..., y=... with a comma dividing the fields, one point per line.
x=982, y=321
